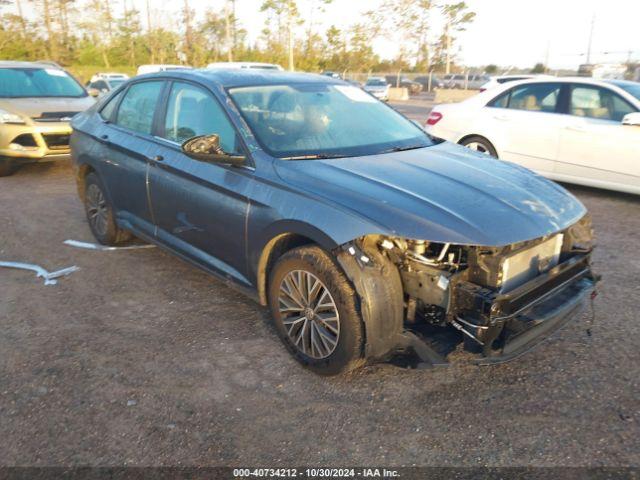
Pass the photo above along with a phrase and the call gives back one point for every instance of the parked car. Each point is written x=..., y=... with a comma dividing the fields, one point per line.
x=404, y=82
x=358, y=230
x=436, y=82
x=37, y=101
x=466, y=81
x=573, y=130
x=142, y=69
x=102, y=83
x=109, y=76
x=378, y=87
x=328, y=73
x=499, y=80
x=250, y=65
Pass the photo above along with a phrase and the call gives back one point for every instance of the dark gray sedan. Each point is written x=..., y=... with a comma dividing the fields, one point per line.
x=366, y=237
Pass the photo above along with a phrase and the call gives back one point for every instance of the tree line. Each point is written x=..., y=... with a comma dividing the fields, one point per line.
x=110, y=33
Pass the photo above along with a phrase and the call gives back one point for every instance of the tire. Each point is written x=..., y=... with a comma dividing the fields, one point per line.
x=480, y=144
x=100, y=214
x=324, y=332
x=7, y=167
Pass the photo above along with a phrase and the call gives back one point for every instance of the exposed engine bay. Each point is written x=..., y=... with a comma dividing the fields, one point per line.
x=491, y=295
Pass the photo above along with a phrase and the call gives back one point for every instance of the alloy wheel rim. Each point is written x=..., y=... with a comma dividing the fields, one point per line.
x=309, y=314
x=97, y=209
x=478, y=147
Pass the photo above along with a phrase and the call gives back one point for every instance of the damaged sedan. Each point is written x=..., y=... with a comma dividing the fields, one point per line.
x=366, y=238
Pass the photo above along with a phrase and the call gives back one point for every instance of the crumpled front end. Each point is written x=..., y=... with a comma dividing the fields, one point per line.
x=500, y=300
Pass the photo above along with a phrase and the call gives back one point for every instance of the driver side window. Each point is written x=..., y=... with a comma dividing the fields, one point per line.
x=192, y=111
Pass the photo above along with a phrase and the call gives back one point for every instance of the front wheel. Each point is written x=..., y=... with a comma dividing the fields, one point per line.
x=480, y=145
x=315, y=311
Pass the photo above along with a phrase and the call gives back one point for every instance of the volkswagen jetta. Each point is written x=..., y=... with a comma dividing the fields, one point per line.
x=364, y=236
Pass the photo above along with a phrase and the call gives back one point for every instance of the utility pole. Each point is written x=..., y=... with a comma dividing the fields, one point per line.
x=227, y=21
x=290, y=28
x=23, y=23
x=291, y=66
x=235, y=26
x=188, y=37
x=448, y=47
x=546, y=57
x=148, y=17
x=593, y=21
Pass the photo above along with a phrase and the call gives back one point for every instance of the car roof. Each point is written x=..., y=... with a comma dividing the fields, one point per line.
x=238, y=64
x=541, y=79
x=491, y=93
x=621, y=83
x=245, y=78
x=17, y=64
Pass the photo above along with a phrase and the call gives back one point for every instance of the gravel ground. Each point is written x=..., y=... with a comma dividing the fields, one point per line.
x=141, y=359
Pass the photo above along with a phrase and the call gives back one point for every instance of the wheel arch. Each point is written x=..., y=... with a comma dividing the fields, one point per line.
x=82, y=170
x=468, y=136
x=271, y=252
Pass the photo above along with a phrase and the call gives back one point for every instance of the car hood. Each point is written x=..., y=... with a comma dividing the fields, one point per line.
x=35, y=107
x=443, y=193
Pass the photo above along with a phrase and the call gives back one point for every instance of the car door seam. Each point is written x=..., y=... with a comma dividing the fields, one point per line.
x=149, y=203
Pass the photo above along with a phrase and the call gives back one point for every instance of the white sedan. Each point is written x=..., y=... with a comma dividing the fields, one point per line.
x=575, y=130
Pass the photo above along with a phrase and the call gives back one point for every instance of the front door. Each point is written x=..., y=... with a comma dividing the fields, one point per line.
x=200, y=207
x=530, y=125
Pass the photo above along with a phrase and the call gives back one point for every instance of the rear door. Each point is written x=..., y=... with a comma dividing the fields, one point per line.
x=528, y=122
x=594, y=145
x=128, y=147
x=200, y=207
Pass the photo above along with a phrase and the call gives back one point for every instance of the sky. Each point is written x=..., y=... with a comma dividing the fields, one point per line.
x=505, y=32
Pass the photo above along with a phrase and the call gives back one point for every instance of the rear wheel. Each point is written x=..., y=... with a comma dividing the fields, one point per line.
x=7, y=167
x=315, y=313
x=480, y=145
x=100, y=214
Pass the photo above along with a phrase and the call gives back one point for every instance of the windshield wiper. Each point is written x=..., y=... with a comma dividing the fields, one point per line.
x=315, y=156
x=402, y=149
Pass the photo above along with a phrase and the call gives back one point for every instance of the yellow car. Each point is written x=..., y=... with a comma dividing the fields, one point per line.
x=37, y=101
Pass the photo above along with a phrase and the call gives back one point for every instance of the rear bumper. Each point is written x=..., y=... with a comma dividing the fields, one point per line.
x=508, y=325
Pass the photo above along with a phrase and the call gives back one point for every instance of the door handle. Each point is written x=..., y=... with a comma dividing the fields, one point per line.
x=575, y=128
x=502, y=118
x=156, y=158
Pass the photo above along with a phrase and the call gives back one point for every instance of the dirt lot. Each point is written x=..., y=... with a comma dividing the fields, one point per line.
x=140, y=359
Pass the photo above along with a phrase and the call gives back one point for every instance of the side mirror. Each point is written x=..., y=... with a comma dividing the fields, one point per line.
x=631, y=119
x=206, y=148
x=94, y=92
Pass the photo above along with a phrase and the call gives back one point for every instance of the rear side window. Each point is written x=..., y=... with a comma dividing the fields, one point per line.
x=596, y=102
x=509, y=79
x=139, y=106
x=109, y=108
x=536, y=97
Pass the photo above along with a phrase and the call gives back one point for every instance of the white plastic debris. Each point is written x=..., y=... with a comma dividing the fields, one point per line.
x=49, y=277
x=443, y=282
x=96, y=246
